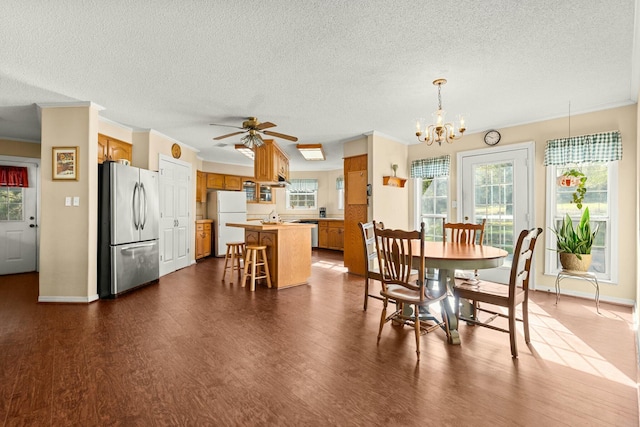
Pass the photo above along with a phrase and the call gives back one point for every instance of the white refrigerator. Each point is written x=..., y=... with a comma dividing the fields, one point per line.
x=224, y=207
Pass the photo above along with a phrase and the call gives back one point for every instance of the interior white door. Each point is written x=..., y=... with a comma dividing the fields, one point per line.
x=18, y=223
x=496, y=185
x=175, y=178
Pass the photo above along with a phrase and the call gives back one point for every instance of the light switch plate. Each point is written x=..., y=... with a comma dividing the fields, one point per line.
x=67, y=201
x=76, y=201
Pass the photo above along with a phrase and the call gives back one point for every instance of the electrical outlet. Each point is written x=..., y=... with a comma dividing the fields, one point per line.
x=76, y=201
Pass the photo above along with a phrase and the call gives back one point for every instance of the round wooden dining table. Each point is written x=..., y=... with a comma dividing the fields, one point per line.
x=448, y=257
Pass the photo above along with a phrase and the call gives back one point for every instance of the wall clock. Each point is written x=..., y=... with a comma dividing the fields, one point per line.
x=492, y=137
x=176, y=151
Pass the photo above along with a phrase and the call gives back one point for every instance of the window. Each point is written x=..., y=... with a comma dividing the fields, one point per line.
x=11, y=201
x=302, y=194
x=340, y=191
x=433, y=196
x=596, y=155
x=601, y=198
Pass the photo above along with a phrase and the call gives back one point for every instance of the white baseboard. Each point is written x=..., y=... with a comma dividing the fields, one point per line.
x=587, y=295
x=84, y=300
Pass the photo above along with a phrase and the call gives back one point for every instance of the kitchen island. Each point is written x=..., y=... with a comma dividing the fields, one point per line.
x=288, y=249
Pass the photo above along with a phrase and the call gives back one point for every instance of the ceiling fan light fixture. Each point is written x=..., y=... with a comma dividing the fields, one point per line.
x=252, y=140
x=311, y=151
x=245, y=150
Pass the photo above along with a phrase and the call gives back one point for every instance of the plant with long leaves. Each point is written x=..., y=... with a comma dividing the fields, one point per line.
x=577, y=240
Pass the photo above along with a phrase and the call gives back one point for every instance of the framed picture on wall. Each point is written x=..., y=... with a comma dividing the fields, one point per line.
x=65, y=164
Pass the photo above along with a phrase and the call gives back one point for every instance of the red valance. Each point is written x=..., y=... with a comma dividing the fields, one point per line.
x=14, y=176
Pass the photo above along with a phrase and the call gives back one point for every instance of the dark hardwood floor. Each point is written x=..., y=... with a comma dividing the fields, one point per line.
x=194, y=351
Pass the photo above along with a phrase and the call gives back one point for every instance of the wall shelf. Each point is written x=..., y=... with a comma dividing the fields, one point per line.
x=393, y=181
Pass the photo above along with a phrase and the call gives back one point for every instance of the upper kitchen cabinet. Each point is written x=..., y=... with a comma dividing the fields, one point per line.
x=201, y=186
x=218, y=181
x=257, y=192
x=271, y=164
x=113, y=149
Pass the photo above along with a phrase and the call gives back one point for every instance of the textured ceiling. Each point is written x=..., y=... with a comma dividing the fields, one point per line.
x=325, y=71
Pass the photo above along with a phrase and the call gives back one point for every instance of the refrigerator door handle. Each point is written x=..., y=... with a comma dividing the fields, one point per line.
x=143, y=192
x=137, y=246
x=136, y=219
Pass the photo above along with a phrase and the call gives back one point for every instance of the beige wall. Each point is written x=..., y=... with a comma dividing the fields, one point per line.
x=389, y=205
x=68, y=235
x=10, y=147
x=624, y=119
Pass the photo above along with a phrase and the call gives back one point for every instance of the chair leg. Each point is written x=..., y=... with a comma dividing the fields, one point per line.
x=512, y=332
x=382, y=318
x=253, y=270
x=366, y=291
x=417, y=326
x=525, y=320
x=226, y=260
x=245, y=271
x=266, y=267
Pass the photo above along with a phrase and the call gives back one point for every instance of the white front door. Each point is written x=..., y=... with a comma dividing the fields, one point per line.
x=18, y=222
x=175, y=180
x=497, y=185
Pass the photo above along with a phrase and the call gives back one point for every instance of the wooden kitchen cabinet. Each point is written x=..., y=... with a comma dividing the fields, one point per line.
x=218, y=181
x=203, y=238
x=113, y=149
x=271, y=164
x=201, y=186
x=331, y=235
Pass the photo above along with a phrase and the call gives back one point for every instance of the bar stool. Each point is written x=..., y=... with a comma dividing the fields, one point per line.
x=256, y=256
x=235, y=252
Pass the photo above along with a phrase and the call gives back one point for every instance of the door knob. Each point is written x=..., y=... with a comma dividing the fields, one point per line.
x=32, y=218
x=32, y=225
x=466, y=218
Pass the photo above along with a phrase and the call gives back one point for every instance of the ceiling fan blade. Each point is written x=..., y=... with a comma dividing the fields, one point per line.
x=265, y=125
x=280, y=135
x=227, y=135
x=227, y=126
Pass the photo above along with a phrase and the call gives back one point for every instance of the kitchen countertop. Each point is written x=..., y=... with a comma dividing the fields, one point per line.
x=258, y=226
x=314, y=219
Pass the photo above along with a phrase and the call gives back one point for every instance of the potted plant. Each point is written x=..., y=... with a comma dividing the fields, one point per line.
x=574, y=244
x=574, y=178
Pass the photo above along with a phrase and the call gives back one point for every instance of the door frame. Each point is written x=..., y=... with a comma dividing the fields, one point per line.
x=530, y=147
x=21, y=161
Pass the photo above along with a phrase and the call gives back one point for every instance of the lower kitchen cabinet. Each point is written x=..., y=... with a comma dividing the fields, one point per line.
x=331, y=235
x=203, y=238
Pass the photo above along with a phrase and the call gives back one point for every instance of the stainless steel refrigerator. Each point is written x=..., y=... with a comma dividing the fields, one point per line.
x=224, y=207
x=128, y=228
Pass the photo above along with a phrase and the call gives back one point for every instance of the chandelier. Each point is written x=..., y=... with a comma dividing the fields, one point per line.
x=440, y=131
x=252, y=139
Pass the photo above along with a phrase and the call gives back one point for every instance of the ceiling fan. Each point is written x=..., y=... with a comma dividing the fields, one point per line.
x=253, y=128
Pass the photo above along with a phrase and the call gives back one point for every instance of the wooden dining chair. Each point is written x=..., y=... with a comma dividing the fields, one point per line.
x=403, y=280
x=371, y=271
x=463, y=232
x=509, y=296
